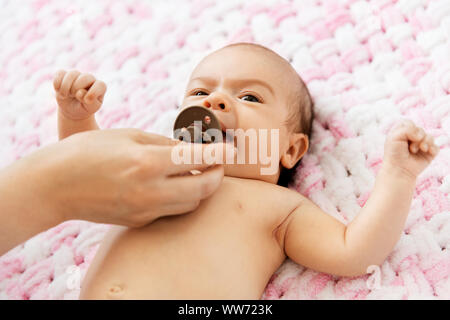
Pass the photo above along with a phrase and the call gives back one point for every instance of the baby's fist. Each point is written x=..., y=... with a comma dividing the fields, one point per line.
x=409, y=148
x=79, y=95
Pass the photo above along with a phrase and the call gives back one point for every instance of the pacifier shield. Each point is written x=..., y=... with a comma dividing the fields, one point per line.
x=197, y=124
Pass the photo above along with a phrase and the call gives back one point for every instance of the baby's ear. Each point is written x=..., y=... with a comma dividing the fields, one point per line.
x=298, y=145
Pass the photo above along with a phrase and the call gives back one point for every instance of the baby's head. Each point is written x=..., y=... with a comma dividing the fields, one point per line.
x=248, y=86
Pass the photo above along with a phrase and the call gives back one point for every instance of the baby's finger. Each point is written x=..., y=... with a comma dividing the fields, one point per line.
x=416, y=137
x=96, y=91
x=404, y=123
x=434, y=150
x=427, y=144
x=84, y=81
x=67, y=82
x=92, y=106
x=405, y=130
x=414, y=147
x=58, y=79
x=424, y=145
x=419, y=134
x=80, y=94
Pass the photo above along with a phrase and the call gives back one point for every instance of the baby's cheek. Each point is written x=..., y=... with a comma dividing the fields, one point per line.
x=283, y=141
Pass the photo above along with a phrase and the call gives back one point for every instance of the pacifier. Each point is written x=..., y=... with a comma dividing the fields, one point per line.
x=197, y=124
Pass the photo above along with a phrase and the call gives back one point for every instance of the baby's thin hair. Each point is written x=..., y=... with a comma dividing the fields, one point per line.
x=302, y=110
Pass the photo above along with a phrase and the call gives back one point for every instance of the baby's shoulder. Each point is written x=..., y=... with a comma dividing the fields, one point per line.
x=273, y=197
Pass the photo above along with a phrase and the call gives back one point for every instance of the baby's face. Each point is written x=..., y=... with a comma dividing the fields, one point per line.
x=246, y=88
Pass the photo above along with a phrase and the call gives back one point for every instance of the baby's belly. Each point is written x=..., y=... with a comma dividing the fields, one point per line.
x=199, y=255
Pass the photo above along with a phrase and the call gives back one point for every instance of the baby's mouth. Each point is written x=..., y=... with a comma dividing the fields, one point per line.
x=227, y=137
x=224, y=129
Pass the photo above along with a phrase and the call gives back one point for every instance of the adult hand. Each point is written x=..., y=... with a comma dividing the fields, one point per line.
x=123, y=176
x=116, y=176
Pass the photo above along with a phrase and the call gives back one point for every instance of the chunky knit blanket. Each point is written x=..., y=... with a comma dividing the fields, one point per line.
x=368, y=64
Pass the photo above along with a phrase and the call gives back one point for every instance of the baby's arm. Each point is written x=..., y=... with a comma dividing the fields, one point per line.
x=79, y=96
x=318, y=241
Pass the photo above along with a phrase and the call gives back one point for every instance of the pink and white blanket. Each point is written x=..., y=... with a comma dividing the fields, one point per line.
x=367, y=63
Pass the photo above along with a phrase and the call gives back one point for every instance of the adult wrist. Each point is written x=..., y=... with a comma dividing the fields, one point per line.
x=34, y=185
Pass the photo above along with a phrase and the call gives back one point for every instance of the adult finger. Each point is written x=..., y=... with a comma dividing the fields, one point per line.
x=178, y=208
x=153, y=139
x=185, y=157
x=143, y=218
x=193, y=188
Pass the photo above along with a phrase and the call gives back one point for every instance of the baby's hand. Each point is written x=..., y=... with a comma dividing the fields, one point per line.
x=409, y=148
x=79, y=95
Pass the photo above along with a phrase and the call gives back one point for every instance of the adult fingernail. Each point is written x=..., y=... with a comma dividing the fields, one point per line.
x=218, y=176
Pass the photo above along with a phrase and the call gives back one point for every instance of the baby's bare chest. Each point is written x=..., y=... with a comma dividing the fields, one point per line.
x=224, y=249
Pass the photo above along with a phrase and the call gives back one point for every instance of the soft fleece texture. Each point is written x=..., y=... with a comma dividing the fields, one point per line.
x=367, y=63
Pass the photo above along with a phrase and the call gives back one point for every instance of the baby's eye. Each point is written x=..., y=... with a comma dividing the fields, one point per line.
x=250, y=98
x=200, y=93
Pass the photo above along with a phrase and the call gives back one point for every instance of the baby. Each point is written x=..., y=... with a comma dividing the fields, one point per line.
x=229, y=247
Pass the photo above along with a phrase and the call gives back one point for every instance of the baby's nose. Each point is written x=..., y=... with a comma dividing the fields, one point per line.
x=216, y=104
